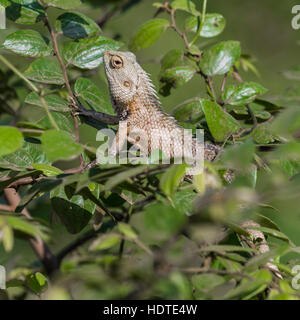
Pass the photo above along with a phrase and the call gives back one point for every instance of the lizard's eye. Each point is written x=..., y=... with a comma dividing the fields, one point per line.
x=116, y=62
x=127, y=84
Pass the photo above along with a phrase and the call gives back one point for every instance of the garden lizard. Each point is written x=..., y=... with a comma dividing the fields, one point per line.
x=139, y=111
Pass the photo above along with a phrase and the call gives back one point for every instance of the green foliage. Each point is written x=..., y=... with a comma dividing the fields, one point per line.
x=27, y=43
x=45, y=70
x=220, y=123
x=213, y=25
x=88, y=53
x=187, y=235
x=148, y=34
x=220, y=58
x=75, y=25
x=59, y=145
x=11, y=140
x=89, y=92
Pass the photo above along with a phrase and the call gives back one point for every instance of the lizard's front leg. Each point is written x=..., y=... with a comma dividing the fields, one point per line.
x=99, y=116
x=119, y=140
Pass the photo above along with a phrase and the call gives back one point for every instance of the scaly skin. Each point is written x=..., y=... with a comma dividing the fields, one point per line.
x=138, y=108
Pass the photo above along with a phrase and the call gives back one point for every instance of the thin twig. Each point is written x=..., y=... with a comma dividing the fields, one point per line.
x=201, y=23
x=19, y=73
x=222, y=89
x=209, y=83
x=174, y=26
x=65, y=75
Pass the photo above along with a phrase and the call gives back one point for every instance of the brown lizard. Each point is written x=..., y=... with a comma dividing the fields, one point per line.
x=137, y=105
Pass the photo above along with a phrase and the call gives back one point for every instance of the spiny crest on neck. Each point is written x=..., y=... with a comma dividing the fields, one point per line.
x=147, y=88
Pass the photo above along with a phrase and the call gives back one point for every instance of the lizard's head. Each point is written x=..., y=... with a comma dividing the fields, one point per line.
x=122, y=72
x=127, y=79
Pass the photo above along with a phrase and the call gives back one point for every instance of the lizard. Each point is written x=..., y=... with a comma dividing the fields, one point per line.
x=137, y=105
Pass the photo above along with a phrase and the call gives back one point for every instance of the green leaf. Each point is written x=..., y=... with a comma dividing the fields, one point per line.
x=39, y=188
x=185, y=5
x=257, y=109
x=63, y=4
x=23, y=158
x=213, y=25
x=272, y=232
x=22, y=224
x=189, y=110
x=206, y=282
x=183, y=200
x=243, y=93
x=239, y=156
x=263, y=134
x=148, y=33
x=287, y=123
x=7, y=237
x=23, y=11
x=88, y=53
x=105, y=242
x=220, y=58
x=248, y=287
x=59, y=145
x=76, y=25
x=64, y=121
x=171, y=59
x=266, y=222
x=11, y=139
x=74, y=210
x=37, y=282
x=178, y=76
x=220, y=123
x=163, y=219
x=127, y=230
x=263, y=258
x=170, y=180
x=120, y=177
x=45, y=71
x=90, y=93
x=225, y=248
x=47, y=170
x=27, y=43
x=54, y=101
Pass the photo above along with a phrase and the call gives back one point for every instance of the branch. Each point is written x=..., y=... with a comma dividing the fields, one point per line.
x=65, y=75
x=208, y=81
x=201, y=23
x=43, y=252
x=174, y=26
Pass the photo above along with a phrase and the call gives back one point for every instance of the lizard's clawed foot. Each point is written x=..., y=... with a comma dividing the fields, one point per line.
x=90, y=165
